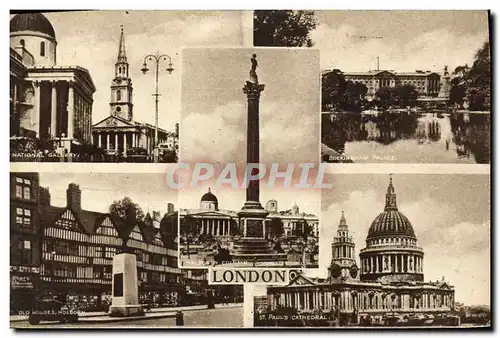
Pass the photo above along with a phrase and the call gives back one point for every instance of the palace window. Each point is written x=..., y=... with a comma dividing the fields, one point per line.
x=42, y=48
x=23, y=219
x=23, y=188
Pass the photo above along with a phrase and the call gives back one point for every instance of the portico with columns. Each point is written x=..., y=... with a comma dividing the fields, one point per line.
x=48, y=100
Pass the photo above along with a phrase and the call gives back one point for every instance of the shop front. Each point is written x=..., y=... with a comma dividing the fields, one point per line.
x=23, y=285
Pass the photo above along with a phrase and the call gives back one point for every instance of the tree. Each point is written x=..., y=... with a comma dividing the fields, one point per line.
x=127, y=210
x=385, y=96
x=474, y=83
x=406, y=94
x=332, y=90
x=354, y=95
x=283, y=28
x=189, y=225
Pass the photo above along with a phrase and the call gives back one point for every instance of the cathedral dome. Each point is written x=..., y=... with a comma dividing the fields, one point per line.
x=209, y=197
x=391, y=223
x=392, y=253
x=34, y=22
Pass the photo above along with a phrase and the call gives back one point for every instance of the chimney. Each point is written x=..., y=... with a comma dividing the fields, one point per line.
x=170, y=208
x=156, y=219
x=378, y=63
x=74, y=197
x=44, y=196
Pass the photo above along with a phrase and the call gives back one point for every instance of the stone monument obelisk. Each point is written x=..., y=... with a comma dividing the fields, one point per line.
x=125, y=301
x=253, y=246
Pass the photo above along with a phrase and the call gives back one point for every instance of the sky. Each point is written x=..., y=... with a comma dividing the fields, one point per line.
x=99, y=190
x=403, y=40
x=214, y=108
x=90, y=40
x=450, y=215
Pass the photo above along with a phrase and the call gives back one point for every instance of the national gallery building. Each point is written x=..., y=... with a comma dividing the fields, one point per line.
x=388, y=286
x=221, y=223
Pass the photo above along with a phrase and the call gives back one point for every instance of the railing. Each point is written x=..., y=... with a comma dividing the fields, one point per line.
x=391, y=246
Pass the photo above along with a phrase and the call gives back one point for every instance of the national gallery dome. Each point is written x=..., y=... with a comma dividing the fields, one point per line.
x=209, y=201
x=391, y=251
x=32, y=22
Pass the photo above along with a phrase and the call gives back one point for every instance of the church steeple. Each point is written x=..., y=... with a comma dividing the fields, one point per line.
x=343, y=264
x=122, y=56
x=121, y=86
x=390, y=198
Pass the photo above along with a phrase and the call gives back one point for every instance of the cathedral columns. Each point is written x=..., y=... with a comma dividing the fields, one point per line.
x=116, y=141
x=125, y=143
x=133, y=140
x=107, y=141
x=99, y=139
x=53, y=110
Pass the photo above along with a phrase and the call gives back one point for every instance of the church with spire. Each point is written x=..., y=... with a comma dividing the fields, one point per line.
x=120, y=134
x=387, y=290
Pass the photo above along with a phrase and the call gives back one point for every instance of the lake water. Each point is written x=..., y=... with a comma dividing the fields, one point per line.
x=406, y=137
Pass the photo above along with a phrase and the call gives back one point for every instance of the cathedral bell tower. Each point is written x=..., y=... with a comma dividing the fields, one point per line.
x=121, y=86
x=343, y=265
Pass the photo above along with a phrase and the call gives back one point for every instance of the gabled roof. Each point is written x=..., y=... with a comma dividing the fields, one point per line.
x=301, y=280
x=114, y=121
x=88, y=220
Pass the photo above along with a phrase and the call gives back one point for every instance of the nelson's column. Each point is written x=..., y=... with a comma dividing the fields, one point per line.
x=253, y=246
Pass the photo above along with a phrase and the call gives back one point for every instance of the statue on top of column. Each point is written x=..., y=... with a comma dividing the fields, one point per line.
x=253, y=72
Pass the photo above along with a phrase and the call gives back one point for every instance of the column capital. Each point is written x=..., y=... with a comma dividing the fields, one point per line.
x=252, y=90
x=71, y=83
x=53, y=83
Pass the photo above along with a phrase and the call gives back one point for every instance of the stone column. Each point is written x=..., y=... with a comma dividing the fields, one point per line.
x=125, y=144
x=252, y=207
x=53, y=110
x=107, y=140
x=133, y=140
x=36, y=118
x=116, y=141
x=376, y=263
x=71, y=110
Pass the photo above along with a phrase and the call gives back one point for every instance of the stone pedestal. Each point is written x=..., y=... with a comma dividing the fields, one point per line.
x=125, y=301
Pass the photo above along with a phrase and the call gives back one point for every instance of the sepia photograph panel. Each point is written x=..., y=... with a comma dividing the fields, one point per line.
x=106, y=89
x=418, y=92
x=403, y=250
x=92, y=250
x=254, y=107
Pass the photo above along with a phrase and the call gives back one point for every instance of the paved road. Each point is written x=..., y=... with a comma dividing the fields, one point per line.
x=226, y=317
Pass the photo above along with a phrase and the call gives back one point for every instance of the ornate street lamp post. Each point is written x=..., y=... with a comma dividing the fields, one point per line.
x=157, y=57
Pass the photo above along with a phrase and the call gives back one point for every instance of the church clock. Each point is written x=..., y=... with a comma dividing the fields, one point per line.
x=354, y=271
